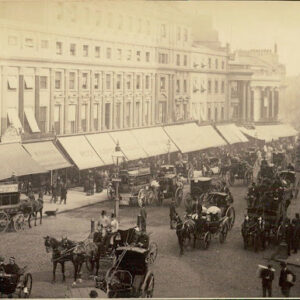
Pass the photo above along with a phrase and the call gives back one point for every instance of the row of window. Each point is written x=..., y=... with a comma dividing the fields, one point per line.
x=216, y=64
x=85, y=83
x=216, y=90
x=210, y=117
x=185, y=60
x=178, y=86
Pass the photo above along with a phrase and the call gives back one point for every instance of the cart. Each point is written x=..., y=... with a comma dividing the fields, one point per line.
x=169, y=185
x=134, y=187
x=199, y=187
x=16, y=287
x=10, y=212
x=240, y=170
x=130, y=275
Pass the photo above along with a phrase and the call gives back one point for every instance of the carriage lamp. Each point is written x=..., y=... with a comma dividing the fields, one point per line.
x=117, y=158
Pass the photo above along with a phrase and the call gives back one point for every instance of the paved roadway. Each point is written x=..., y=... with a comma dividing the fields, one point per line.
x=221, y=271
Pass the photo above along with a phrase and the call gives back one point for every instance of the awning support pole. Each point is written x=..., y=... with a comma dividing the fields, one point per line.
x=51, y=177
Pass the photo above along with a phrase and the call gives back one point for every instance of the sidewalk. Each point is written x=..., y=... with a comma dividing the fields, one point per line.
x=76, y=198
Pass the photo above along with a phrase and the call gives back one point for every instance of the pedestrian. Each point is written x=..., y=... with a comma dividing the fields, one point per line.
x=63, y=194
x=296, y=236
x=289, y=234
x=53, y=197
x=286, y=280
x=172, y=213
x=58, y=189
x=267, y=277
x=143, y=217
x=2, y=264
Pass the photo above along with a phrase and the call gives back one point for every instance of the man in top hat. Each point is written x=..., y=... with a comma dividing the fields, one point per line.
x=267, y=276
x=13, y=269
x=286, y=279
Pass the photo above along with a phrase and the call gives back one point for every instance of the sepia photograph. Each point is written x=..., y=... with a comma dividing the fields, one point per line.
x=149, y=149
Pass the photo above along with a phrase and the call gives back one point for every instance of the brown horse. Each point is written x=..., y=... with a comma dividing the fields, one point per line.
x=31, y=208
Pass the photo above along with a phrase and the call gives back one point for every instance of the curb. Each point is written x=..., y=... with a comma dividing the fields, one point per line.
x=75, y=208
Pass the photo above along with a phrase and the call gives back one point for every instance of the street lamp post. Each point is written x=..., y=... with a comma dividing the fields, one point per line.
x=117, y=157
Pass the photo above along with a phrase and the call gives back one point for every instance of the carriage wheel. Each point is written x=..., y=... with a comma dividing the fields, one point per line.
x=223, y=233
x=150, y=199
x=206, y=240
x=230, y=213
x=279, y=234
x=188, y=200
x=152, y=253
x=4, y=221
x=141, y=197
x=147, y=288
x=25, y=290
x=190, y=174
x=178, y=196
x=19, y=222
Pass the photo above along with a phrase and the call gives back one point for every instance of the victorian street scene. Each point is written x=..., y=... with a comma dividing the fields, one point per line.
x=149, y=149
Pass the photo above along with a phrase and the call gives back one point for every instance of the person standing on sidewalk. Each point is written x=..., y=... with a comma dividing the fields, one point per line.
x=63, y=194
x=267, y=277
x=286, y=280
x=143, y=217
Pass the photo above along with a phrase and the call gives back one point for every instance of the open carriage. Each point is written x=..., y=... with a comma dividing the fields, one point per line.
x=133, y=187
x=130, y=275
x=10, y=211
x=16, y=286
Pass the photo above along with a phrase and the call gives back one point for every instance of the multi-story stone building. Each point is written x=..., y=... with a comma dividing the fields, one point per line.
x=255, y=79
x=74, y=67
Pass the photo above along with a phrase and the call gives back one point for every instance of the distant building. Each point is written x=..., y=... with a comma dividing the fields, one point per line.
x=72, y=67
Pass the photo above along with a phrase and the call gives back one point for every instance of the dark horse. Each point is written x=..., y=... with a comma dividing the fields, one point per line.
x=64, y=251
x=32, y=207
x=184, y=231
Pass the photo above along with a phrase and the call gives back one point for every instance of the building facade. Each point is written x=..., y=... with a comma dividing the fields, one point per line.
x=72, y=67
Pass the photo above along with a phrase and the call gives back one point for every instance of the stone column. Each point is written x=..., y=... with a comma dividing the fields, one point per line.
x=79, y=129
x=92, y=98
x=66, y=128
x=51, y=106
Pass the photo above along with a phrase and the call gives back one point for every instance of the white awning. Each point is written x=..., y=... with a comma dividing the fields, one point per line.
x=129, y=145
x=210, y=137
x=81, y=152
x=28, y=82
x=104, y=145
x=47, y=155
x=191, y=137
x=270, y=132
x=154, y=141
x=232, y=134
x=14, y=118
x=12, y=82
x=31, y=119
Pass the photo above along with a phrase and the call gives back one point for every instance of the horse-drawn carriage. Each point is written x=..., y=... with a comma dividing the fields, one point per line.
x=213, y=166
x=199, y=187
x=169, y=185
x=133, y=187
x=263, y=223
x=279, y=159
x=250, y=156
x=10, y=211
x=16, y=285
x=240, y=170
x=130, y=275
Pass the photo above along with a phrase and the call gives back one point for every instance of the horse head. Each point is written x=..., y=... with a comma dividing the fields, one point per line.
x=50, y=243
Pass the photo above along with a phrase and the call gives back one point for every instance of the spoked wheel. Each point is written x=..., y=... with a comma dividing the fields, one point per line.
x=25, y=290
x=141, y=197
x=206, y=240
x=152, y=254
x=4, y=221
x=223, y=233
x=150, y=199
x=19, y=222
x=178, y=196
x=230, y=213
x=147, y=288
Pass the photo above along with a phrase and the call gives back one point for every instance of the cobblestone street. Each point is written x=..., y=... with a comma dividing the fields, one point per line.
x=221, y=271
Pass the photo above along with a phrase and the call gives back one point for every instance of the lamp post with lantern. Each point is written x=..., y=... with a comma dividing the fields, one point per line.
x=117, y=158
